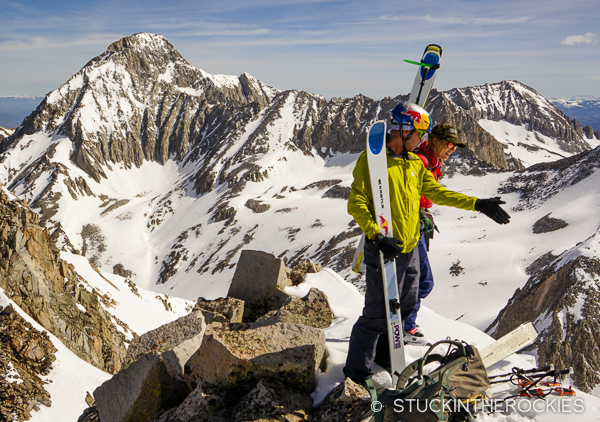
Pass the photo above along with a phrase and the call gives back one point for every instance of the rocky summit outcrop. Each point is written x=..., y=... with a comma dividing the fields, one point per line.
x=348, y=402
x=48, y=289
x=312, y=310
x=300, y=270
x=245, y=353
x=269, y=400
x=224, y=310
x=259, y=280
x=152, y=378
x=188, y=370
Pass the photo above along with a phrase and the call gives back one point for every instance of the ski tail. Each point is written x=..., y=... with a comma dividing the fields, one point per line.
x=519, y=338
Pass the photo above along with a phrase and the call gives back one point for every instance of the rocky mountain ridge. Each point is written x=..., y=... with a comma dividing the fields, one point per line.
x=48, y=289
x=519, y=104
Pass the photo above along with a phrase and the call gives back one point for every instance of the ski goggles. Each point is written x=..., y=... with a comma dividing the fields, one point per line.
x=424, y=135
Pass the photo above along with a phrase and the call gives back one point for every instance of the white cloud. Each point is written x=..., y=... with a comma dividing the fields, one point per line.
x=589, y=38
x=454, y=20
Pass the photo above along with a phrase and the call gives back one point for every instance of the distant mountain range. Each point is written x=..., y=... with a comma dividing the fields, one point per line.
x=585, y=108
x=14, y=109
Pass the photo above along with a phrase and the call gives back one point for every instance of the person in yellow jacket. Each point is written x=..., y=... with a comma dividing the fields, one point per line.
x=408, y=180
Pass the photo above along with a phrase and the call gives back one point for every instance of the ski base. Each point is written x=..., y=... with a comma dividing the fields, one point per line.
x=377, y=160
x=519, y=338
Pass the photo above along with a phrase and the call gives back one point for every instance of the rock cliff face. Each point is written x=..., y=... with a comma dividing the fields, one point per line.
x=563, y=300
x=48, y=289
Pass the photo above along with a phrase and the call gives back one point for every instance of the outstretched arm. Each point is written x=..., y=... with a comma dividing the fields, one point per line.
x=442, y=196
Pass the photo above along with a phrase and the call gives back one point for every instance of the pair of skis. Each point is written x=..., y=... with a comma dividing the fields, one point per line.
x=377, y=159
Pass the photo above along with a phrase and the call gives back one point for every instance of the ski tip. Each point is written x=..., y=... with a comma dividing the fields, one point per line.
x=435, y=47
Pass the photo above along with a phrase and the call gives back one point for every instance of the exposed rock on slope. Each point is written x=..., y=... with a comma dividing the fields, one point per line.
x=48, y=289
x=26, y=355
x=563, y=301
x=5, y=133
x=540, y=182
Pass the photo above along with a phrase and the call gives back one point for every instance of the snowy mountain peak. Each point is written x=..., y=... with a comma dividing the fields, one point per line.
x=537, y=130
x=141, y=41
x=503, y=100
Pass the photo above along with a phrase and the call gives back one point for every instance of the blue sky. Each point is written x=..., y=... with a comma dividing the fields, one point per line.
x=333, y=48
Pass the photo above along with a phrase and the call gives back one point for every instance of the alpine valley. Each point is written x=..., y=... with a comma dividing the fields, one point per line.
x=160, y=174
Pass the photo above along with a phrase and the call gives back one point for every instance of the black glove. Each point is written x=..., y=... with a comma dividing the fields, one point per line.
x=389, y=246
x=491, y=207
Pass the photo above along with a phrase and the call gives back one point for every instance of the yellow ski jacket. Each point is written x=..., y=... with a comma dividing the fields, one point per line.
x=408, y=179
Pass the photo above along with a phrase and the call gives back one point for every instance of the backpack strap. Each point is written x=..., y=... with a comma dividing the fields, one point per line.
x=373, y=393
x=426, y=161
x=411, y=369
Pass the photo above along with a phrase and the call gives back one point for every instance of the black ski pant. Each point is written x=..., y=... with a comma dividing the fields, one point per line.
x=373, y=322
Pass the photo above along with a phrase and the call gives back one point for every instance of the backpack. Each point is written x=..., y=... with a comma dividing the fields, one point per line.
x=459, y=377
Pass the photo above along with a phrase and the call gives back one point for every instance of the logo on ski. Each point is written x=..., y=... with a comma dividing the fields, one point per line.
x=381, y=197
x=397, y=335
x=385, y=226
